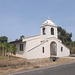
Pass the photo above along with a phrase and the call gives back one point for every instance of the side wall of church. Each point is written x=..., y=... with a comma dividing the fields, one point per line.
x=38, y=51
x=33, y=49
x=62, y=50
x=32, y=45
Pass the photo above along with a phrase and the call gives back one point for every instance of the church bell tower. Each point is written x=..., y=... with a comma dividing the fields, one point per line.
x=48, y=30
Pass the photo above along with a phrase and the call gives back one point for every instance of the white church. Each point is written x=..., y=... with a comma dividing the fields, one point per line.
x=44, y=45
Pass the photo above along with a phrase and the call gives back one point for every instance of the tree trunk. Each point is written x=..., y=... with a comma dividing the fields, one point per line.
x=2, y=52
x=8, y=53
x=5, y=52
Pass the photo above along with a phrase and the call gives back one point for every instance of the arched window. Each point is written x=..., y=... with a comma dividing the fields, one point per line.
x=52, y=31
x=44, y=31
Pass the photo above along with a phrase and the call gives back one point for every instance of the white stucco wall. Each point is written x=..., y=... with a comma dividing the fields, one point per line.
x=21, y=53
x=37, y=52
x=33, y=48
x=65, y=52
x=48, y=32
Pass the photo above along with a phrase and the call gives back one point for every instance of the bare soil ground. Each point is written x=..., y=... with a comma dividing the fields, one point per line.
x=11, y=65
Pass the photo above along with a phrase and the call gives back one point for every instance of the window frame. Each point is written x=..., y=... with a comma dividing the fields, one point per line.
x=21, y=47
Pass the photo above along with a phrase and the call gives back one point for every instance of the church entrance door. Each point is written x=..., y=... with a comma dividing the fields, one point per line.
x=53, y=49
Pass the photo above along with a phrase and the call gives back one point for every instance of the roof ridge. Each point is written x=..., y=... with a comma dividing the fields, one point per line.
x=48, y=22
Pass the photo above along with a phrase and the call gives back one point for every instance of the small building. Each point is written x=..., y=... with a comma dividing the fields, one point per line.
x=44, y=45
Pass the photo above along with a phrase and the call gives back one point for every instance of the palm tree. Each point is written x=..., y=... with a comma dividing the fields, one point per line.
x=11, y=49
x=14, y=50
x=6, y=47
x=2, y=45
x=0, y=48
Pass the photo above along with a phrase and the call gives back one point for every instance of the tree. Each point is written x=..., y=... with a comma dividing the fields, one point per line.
x=64, y=36
x=16, y=40
x=13, y=49
x=3, y=48
x=22, y=36
x=3, y=39
x=6, y=47
x=66, y=39
x=0, y=48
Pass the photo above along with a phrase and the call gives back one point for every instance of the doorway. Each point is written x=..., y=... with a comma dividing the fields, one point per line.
x=53, y=49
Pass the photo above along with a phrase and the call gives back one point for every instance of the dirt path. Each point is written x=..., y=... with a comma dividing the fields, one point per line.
x=11, y=65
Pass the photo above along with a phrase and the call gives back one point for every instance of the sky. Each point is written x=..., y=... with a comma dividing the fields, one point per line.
x=24, y=17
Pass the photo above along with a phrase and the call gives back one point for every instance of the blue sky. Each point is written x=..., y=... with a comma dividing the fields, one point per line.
x=24, y=17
